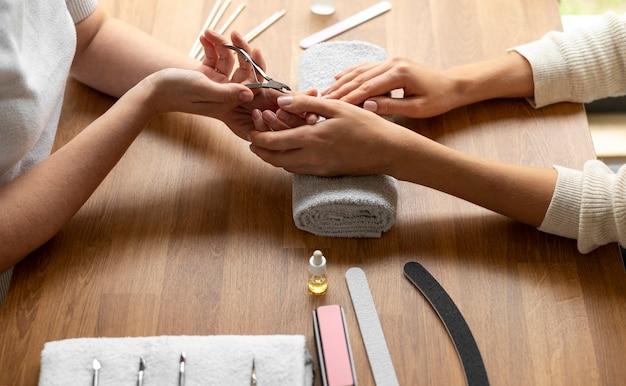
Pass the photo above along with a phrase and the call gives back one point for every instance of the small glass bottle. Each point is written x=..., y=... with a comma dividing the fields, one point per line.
x=317, y=283
x=323, y=7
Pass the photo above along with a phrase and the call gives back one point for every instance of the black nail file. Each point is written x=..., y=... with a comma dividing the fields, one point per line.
x=453, y=320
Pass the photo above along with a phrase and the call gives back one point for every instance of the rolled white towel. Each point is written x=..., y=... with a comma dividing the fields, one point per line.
x=363, y=206
x=210, y=360
x=344, y=206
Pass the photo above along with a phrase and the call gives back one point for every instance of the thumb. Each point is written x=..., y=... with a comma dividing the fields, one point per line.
x=302, y=103
x=228, y=93
x=388, y=106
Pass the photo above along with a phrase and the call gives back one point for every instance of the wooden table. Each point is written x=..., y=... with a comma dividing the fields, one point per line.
x=191, y=234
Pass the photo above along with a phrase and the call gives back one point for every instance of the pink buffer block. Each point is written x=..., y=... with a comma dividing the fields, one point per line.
x=333, y=346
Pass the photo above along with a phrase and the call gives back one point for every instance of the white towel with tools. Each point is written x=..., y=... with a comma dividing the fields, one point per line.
x=210, y=360
x=363, y=206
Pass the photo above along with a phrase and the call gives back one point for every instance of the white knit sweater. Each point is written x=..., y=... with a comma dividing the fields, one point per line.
x=37, y=45
x=580, y=66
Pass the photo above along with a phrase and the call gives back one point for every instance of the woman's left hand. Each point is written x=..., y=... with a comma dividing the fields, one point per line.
x=350, y=141
x=427, y=92
x=219, y=61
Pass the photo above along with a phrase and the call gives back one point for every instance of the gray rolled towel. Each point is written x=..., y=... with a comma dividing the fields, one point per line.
x=363, y=206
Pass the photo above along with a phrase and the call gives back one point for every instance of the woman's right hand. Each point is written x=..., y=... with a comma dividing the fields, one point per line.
x=427, y=92
x=350, y=141
x=191, y=91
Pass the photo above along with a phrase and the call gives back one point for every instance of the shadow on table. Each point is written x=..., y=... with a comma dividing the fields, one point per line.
x=203, y=136
x=472, y=243
x=219, y=209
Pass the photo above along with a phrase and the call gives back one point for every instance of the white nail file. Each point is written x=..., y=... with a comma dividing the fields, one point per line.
x=371, y=329
x=344, y=25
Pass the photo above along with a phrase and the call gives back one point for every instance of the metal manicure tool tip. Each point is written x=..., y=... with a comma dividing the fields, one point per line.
x=142, y=368
x=253, y=381
x=181, y=369
x=95, y=365
x=268, y=82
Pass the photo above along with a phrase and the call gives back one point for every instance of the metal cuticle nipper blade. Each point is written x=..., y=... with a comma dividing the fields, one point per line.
x=269, y=82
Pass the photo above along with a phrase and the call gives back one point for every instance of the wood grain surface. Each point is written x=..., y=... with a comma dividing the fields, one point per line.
x=192, y=234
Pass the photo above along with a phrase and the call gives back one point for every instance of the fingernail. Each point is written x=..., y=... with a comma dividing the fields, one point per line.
x=370, y=106
x=256, y=114
x=268, y=116
x=282, y=115
x=245, y=96
x=311, y=119
x=284, y=100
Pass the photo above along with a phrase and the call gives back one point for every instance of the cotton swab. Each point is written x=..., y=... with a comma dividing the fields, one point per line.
x=232, y=18
x=219, y=15
x=264, y=25
x=196, y=45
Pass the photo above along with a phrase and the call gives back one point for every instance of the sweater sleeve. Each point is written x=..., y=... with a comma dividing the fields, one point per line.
x=579, y=65
x=589, y=205
x=80, y=9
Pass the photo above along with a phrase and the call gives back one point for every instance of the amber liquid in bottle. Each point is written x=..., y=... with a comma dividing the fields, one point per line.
x=318, y=282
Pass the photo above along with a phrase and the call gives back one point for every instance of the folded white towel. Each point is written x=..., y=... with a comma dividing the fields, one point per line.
x=211, y=360
x=362, y=206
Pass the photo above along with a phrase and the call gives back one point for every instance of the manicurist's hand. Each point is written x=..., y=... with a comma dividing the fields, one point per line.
x=219, y=65
x=350, y=141
x=190, y=91
x=215, y=88
x=219, y=61
x=427, y=92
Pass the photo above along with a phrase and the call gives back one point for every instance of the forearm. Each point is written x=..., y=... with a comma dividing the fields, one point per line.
x=36, y=205
x=508, y=76
x=522, y=193
x=118, y=56
x=576, y=66
x=579, y=65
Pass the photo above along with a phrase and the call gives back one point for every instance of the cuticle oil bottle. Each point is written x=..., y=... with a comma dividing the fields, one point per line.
x=317, y=283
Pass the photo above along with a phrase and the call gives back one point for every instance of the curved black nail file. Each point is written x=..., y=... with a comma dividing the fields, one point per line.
x=453, y=320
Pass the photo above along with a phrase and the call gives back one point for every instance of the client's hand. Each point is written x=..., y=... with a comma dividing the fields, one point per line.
x=427, y=92
x=350, y=140
x=280, y=119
